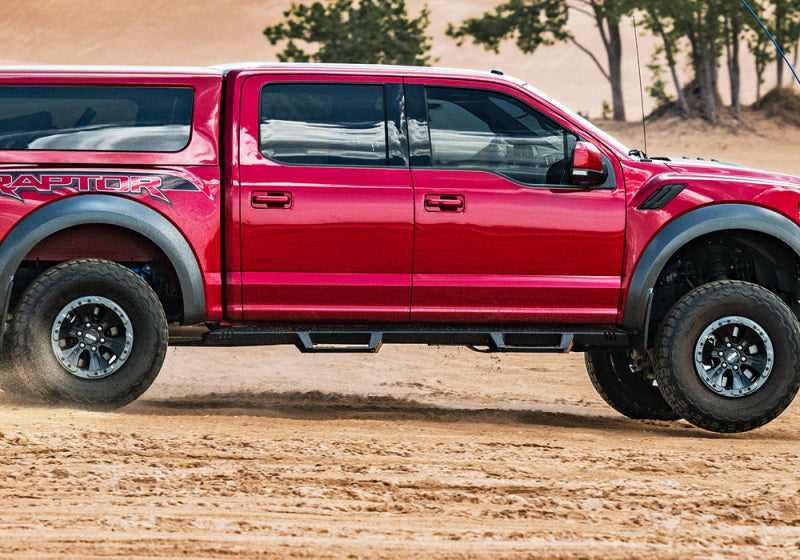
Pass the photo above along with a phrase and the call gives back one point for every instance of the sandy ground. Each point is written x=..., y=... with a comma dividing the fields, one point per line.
x=416, y=452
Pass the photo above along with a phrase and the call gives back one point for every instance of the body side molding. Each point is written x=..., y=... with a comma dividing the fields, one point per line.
x=110, y=210
x=689, y=226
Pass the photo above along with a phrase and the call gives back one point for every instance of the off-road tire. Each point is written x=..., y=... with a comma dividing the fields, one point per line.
x=49, y=315
x=628, y=392
x=697, y=321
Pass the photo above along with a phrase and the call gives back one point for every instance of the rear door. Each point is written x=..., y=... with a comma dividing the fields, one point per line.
x=326, y=200
x=501, y=234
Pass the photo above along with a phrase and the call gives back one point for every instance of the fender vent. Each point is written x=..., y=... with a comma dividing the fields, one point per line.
x=662, y=196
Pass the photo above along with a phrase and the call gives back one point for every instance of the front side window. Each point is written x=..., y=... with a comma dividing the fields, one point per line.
x=324, y=124
x=95, y=118
x=489, y=131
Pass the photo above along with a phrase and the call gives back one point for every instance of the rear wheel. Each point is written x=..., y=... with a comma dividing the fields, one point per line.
x=626, y=388
x=90, y=333
x=727, y=356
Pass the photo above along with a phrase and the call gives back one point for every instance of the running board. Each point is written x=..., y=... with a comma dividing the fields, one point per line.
x=365, y=339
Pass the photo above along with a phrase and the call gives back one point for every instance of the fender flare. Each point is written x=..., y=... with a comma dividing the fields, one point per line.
x=109, y=210
x=690, y=226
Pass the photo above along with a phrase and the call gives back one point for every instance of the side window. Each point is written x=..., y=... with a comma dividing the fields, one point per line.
x=95, y=118
x=489, y=131
x=323, y=124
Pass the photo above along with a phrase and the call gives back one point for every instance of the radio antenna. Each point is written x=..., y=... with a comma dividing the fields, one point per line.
x=774, y=42
x=641, y=87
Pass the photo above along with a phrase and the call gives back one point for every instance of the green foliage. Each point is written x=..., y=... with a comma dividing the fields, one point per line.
x=531, y=23
x=606, y=110
x=658, y=87
x=348, y=31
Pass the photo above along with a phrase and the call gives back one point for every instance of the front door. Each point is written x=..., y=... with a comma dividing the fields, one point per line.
x=501, y=235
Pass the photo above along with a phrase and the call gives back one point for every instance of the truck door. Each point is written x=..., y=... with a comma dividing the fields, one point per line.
x=326, y=200
x=501, y=235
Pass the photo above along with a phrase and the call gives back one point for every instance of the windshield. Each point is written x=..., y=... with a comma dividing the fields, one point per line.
x=585, y=124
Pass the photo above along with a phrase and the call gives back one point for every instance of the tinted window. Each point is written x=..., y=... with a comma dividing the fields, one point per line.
x=489, y=131
x=96, y=118
x=323, y=124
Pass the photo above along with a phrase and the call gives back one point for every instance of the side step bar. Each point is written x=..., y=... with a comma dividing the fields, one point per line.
x=369, y=339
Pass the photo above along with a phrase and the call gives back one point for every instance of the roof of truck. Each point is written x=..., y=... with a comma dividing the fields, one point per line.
x=367, y=69
x=142, y=72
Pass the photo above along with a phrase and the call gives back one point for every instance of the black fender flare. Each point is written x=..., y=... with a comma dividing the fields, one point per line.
x=690, y=226
x=109, y=210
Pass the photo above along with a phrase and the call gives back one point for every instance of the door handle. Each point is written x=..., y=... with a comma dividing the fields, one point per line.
x=444, y=202
x=271, y=199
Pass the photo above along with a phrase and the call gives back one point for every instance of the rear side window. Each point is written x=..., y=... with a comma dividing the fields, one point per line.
x=324, y=124
x=95, y=118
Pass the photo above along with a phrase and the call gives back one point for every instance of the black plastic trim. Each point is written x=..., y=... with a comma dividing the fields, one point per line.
x=369, y=338
x=690, y=226
x=662, y=196
x=418, y=134
x=110, y=210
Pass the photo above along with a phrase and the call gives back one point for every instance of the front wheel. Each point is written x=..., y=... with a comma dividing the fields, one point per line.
x=727, y=356
x=89, y=333
x=626, y=388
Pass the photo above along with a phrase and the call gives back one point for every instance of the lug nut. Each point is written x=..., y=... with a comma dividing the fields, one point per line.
x=82, y=345
x=727, y=345
x=724, y=364
x=100, y=328
x=88, y=325
x=94, y=349
x=80, y=333
x=102, y=341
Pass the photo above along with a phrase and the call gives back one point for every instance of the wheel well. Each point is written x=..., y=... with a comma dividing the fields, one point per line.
x=728, y=255
x=112, y=243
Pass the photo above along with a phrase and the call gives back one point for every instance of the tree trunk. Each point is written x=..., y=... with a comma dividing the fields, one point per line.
x=615, y=70
x=734, y=70
x=704, y=68
x=779, y=19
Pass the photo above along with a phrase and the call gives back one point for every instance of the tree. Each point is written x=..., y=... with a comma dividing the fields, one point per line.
x=533, y=23
x=701, y=24
x=669, y=33
x=367, y=31
x=786, y=30
x=760, y=47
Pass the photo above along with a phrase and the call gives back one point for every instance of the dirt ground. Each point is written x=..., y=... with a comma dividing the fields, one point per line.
x=415, y=452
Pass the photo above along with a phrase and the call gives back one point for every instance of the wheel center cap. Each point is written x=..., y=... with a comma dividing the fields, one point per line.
x=732, y=356
x=91, y=337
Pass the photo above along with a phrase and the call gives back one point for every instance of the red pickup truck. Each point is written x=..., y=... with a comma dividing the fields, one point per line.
x=338, y=208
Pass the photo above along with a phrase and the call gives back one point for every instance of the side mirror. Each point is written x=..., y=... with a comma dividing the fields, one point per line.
x=587, y=165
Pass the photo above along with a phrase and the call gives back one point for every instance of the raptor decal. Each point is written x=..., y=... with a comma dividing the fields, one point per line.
x=14, y=184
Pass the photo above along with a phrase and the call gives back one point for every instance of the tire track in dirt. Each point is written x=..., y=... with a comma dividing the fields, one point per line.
x=329, y=475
